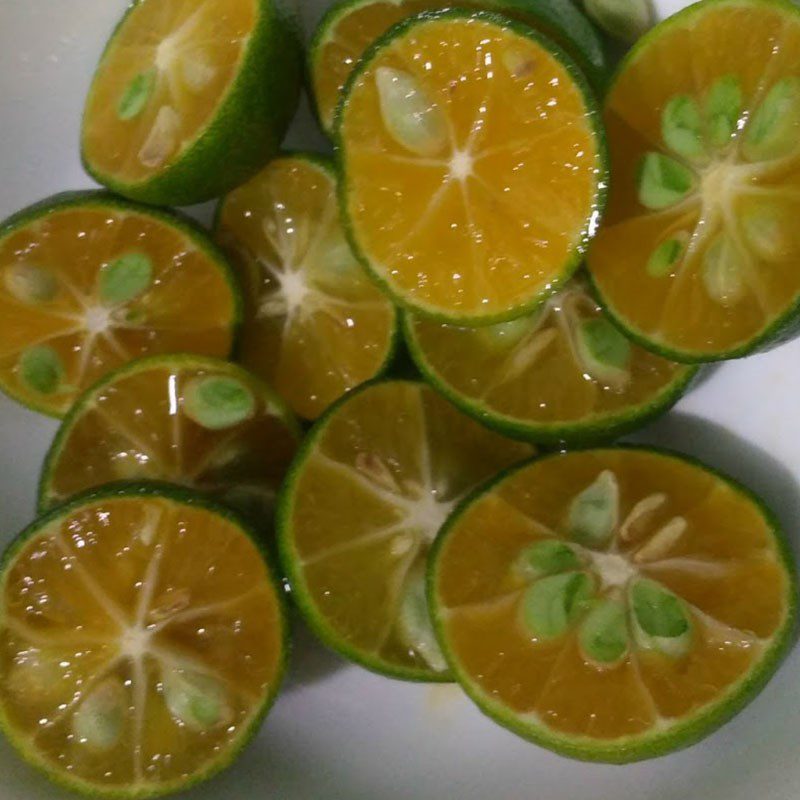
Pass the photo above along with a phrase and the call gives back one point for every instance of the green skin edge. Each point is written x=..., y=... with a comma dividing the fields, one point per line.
x=249, y=123
x=327, y=165
x=561, y=20
x=105, y=200
x=594, y=121
x=786, y=325
x=595, y=429
x=177, y=361
x=628, y=749
x=183, y=497
x=290, y=562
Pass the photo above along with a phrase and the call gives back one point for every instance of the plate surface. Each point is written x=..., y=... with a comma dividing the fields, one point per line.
x=338, y=732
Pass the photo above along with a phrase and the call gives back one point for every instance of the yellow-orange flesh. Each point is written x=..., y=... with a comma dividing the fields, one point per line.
x=358, y=26
x=144, y=425
x=541, y=369
x=349, y=39
x=674, y=523
x=367, y=501
x=58, y=313
x=472, y=167
x=140, y=637
x=732, y=232
x=159, y=83
x=316, y=325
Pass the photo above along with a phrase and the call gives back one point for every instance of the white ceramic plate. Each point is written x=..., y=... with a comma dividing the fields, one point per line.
x=338, y=732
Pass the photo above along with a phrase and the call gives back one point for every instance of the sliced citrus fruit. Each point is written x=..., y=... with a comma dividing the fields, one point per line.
x=142, y=639
x=698, y=256
x=613, y=605
x=562, y=374
x=474, y=172
x=373, y=483
x=188, y=420
x=191, y=98
x=316, y=326
x=349, y=27
x=89, y=282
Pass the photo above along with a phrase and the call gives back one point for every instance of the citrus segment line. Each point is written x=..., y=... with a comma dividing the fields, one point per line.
x=65, y=709
x=103, y=599
x=196, y=612
x=357, y=542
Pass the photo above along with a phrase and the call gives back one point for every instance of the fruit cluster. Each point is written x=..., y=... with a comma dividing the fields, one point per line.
x=509, y=250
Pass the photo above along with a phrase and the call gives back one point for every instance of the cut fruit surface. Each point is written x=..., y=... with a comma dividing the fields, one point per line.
x=613, y=605
x=191, y=421
x=316, y=326
x=89, y=282
x=699, y=251
x=190, y=98
x=142, y=639
x=350, y=26
x=563, y=373
x=373, y=483
x=473, y=171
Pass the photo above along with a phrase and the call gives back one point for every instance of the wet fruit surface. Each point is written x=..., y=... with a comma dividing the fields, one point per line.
x=141, y=638
x=316, y=326
x=89, y=284
x=361, y=508
x=612, y=604
x=473, y=172
x=191, y=421
x=699, y=248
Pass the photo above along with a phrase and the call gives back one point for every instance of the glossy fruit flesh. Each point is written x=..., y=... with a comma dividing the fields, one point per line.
x=352, y=27
x=613, y=604
x=316, y=325
x=161, y=82
x=194, y=422
x=90, y=284
x=141, y=638
x=371, y=489
x=699, y=252
x=473, y=173
x=564, y=371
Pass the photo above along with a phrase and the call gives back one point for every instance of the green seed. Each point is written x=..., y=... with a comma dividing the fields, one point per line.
x=664, y=257
x=412, y=119
x=663, y=182
x=553, y=603
x=765, y=229
x=722, y=272
x=661, y=621
x=774, y=129
x=41, y=369
x=126, y=278
x=682, y=128
x=548, y=557
x=626, y=20
x=217, y=402
x=603, y=635
x=415, y=627
x=198, y=701
x=604, y=352
x=723, y=110
x=507, y=334
x=98, y=722
x=594, y=513
x=30, y=284
x=197, y=69
x=136, y=95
